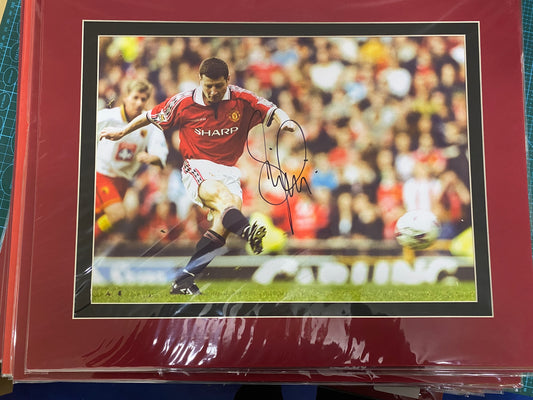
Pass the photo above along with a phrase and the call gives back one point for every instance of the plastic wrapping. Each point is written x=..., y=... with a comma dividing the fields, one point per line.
x=330, y=299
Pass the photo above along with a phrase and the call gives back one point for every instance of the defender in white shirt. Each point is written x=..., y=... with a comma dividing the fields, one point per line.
x=117, y=162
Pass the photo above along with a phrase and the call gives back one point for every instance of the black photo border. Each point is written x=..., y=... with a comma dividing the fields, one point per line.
x=83, y=308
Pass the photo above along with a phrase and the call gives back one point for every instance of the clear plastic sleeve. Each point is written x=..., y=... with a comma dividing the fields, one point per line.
x=372, y=154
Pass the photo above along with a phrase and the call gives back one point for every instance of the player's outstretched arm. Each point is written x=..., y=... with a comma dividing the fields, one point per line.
x=284, y=121
x=113, y=133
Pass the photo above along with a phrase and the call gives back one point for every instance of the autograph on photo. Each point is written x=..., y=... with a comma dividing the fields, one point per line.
x=274, y=173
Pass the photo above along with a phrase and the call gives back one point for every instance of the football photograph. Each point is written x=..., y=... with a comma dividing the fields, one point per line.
x=234, y=170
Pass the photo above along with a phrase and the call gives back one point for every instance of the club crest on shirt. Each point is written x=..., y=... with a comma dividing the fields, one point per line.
x=126, y=151
x=235, y=115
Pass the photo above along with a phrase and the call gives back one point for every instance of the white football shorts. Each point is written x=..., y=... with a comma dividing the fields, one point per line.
x=194, y=172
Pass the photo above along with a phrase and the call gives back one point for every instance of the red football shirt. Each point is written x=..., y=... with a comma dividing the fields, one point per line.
x=216, y=132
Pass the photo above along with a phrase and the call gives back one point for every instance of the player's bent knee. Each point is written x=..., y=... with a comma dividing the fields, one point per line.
x=217, y=196
x=210, y=188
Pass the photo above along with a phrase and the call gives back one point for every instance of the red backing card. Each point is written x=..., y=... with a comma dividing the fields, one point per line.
x=51, y=333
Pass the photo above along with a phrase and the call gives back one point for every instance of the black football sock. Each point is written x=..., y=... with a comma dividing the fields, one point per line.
x=204, y=253
x=234, y=221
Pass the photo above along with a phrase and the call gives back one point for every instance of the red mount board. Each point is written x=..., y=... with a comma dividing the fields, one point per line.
x=54, y=327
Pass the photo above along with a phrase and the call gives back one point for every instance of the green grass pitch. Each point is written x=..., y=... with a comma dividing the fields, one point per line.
x=243, y=291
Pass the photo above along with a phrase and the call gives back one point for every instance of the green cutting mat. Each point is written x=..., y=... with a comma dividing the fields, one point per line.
x=9, y=54
x=527, y=18
x=527, y=23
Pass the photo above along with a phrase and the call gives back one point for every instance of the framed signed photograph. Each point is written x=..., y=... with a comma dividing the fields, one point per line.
x=388, y=122
x=280, y=192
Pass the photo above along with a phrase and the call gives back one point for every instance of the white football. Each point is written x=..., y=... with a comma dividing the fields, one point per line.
x=417, y=229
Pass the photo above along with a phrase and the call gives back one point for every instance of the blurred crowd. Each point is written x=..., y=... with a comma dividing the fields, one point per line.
x=384, y=122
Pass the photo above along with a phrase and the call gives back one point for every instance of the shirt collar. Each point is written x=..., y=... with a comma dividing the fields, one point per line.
x=199, y=98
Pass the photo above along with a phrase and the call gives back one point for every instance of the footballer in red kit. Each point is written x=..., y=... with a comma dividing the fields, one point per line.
x=216, y=132
x=213, y=122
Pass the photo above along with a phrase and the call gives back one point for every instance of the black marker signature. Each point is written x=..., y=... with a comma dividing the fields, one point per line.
x=275, y=174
